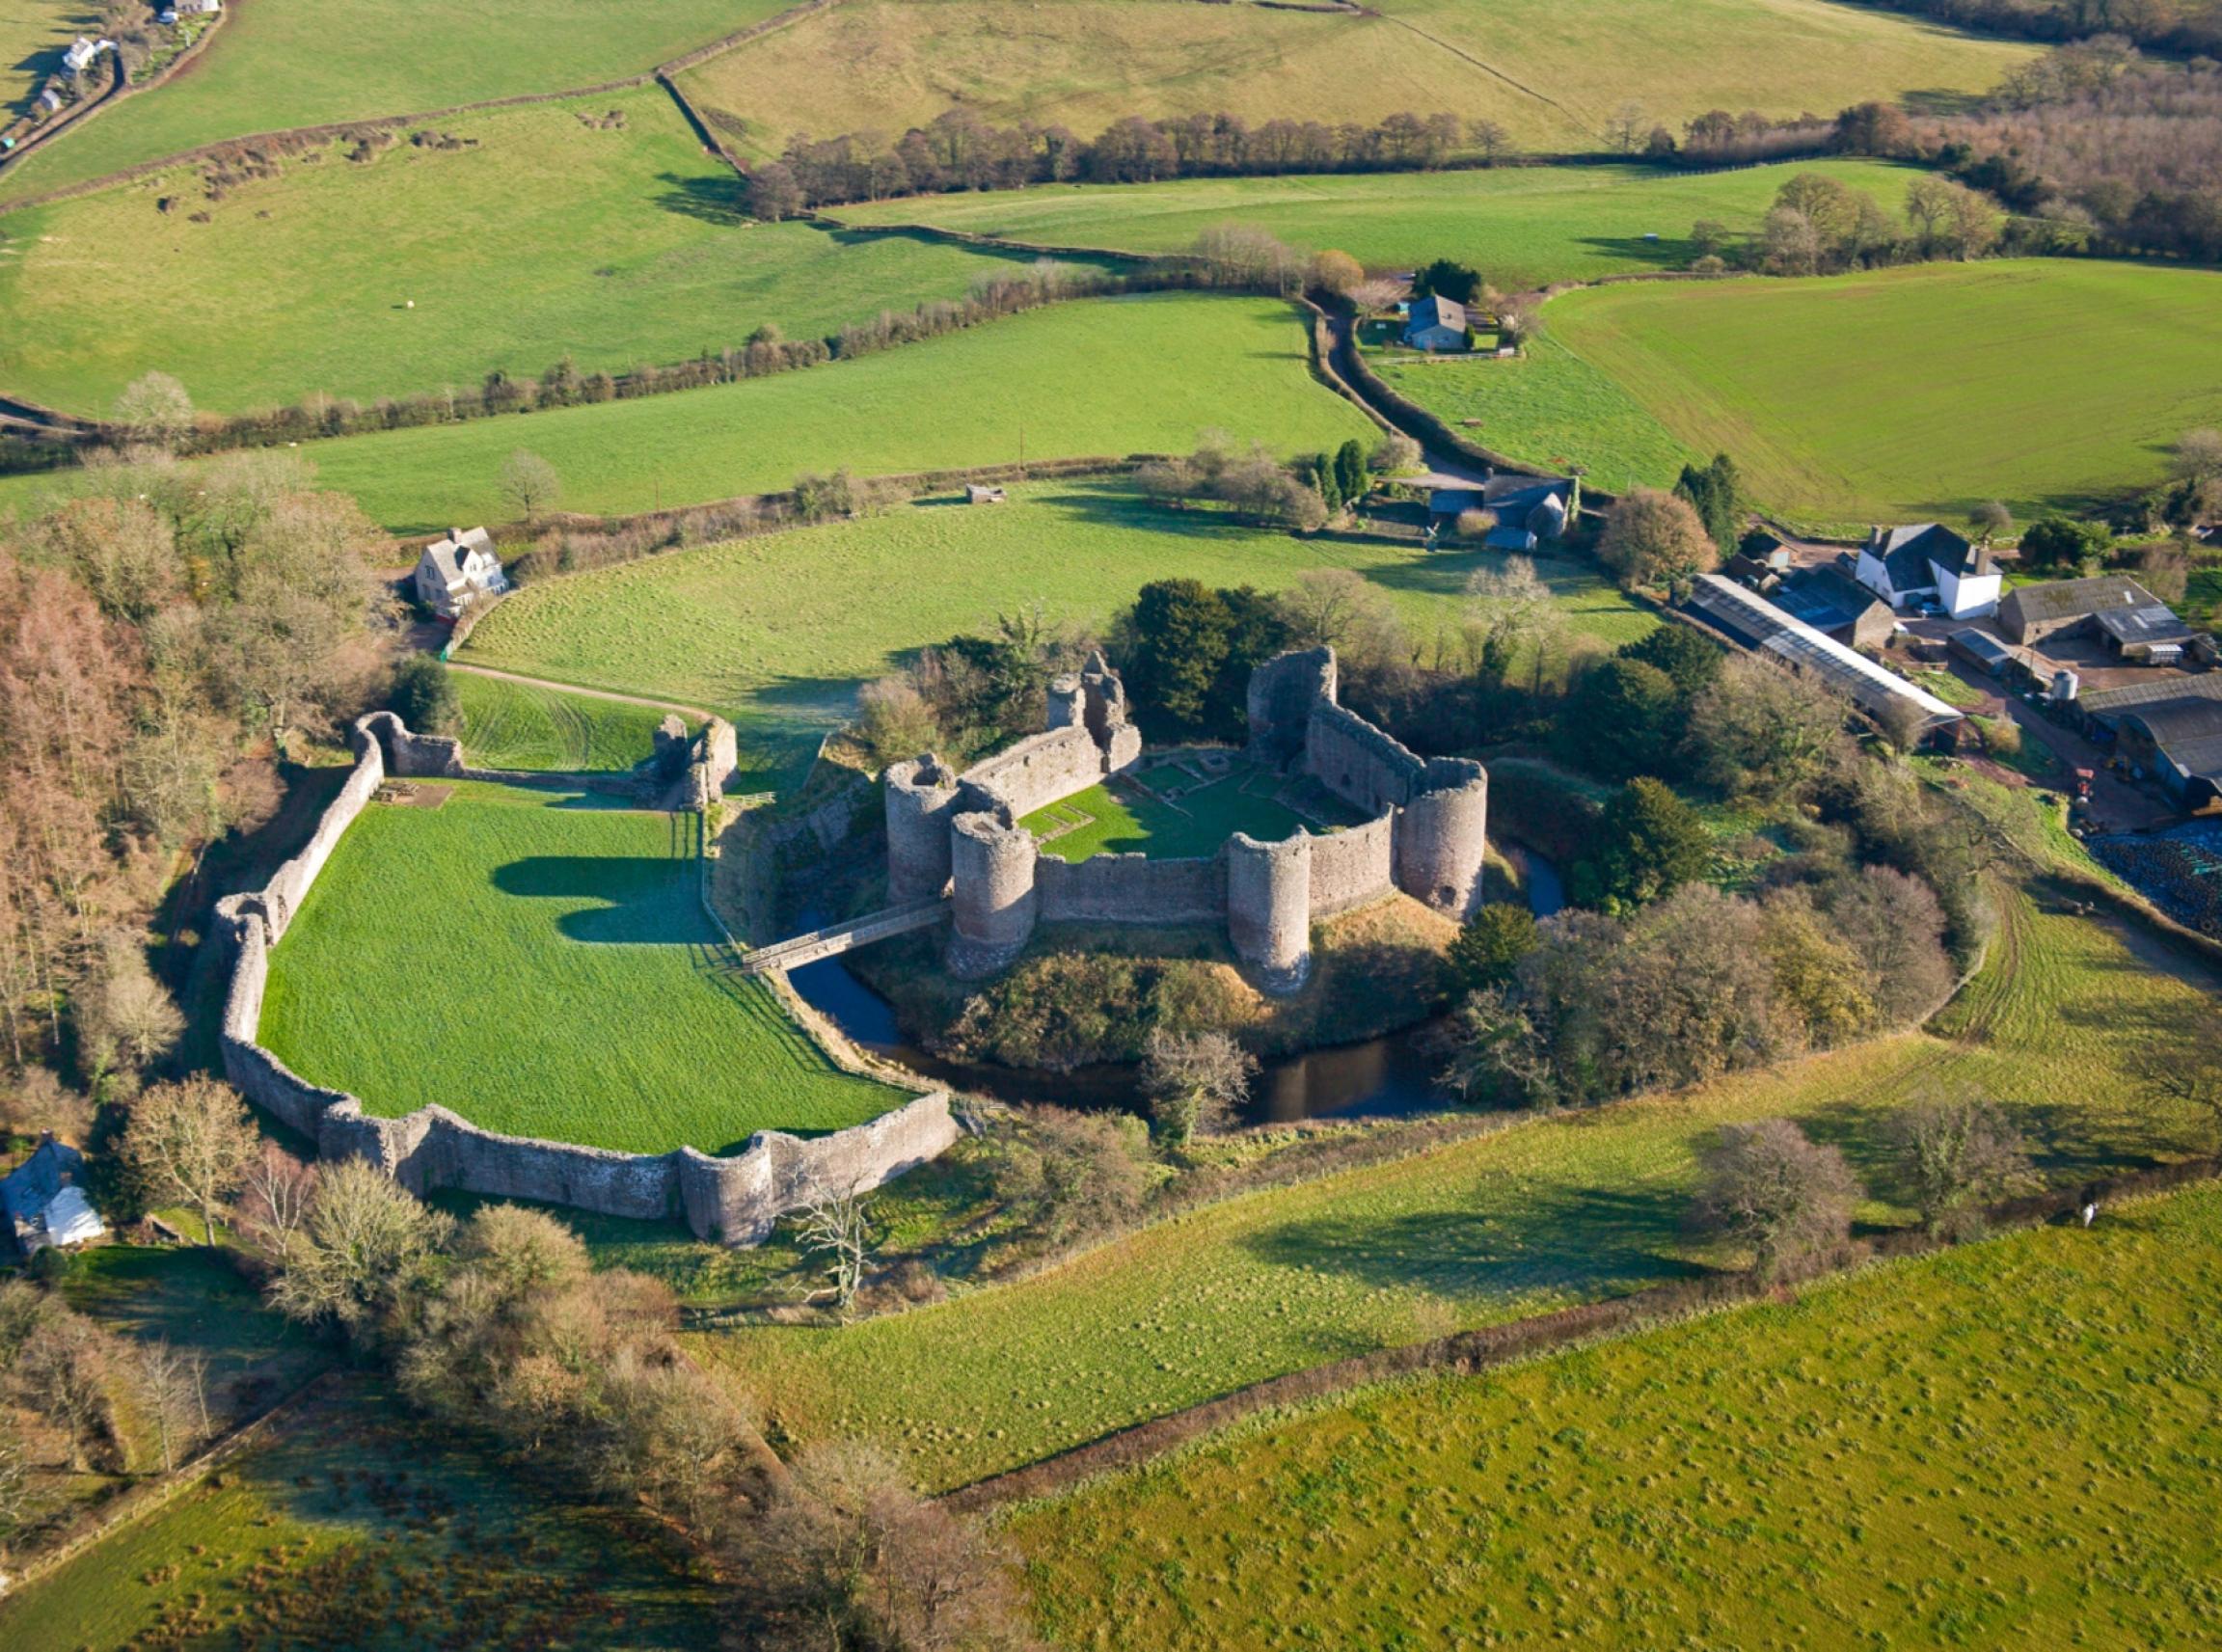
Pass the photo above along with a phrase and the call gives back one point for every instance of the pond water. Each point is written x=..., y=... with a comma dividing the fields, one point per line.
x=1382, y=1078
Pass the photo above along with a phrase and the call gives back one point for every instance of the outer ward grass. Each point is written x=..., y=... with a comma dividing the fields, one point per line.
x=424, y=268
x=1551, y=73
x=1521, y=227
x=1897, y=394
x=1547, y=1211
x=280, y=63
x=2011, y=1444
x=1115, y=376
x=778, y=630
x=542, y=966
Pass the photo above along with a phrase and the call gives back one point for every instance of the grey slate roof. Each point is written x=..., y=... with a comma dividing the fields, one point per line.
x=1907, y=553
x=2188, y=732
x=1434, y=311
x=2106, y=702
x=2143, y=625
x=2070, y=599
x=31, y=1185
x=1824, y=599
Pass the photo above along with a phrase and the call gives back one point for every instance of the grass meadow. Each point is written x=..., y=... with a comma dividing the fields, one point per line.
x=1547, y=1211
x=1551, y=74
x=282, y=64
x=355, y=1526
x=425, y=268
x=542, y=965
x=1896, y=394
x=2009, y=1443
x=1110, y=376
x=1122, y=820
x=778, y=630
x=521, y=725
x=1521, y=227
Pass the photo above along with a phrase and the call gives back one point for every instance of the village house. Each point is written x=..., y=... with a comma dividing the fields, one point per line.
x=1530, y=511
x=1836, y=606
x=1927, y=563
x=43, y=1202
x=459, y=572
x=81, y=51
x=1435, y=323
x=2129, y=619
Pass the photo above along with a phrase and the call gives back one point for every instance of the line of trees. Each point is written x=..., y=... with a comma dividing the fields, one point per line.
x=959, y=150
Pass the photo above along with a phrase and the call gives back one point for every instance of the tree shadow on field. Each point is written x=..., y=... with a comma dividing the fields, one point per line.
x=643, y=900
x=708, y=199
x=1542, y=1240
x=1671, y=250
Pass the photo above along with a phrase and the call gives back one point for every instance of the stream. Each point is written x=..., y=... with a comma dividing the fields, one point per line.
x=1382, y=1078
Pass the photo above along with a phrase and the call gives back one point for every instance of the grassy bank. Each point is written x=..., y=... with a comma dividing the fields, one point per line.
x=597, y=229
x=542, y=966
x=778, y=630
x=2005, y=1443
x=1896, y=394
x=519, y=726
x=1521, y=227
x=1546, y=1212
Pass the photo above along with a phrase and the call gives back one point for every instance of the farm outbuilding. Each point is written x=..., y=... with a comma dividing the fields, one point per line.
x=1981, y=650
x=43, y=1202
x=2074, y=608
x=2172, y=728
x=1751, y=620
x=1837, y=606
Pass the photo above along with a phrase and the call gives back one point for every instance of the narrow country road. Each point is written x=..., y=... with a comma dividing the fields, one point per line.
x=1448, y=468
x=574, y=689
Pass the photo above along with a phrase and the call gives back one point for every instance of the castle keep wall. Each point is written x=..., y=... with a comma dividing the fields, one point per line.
x=735, y=1199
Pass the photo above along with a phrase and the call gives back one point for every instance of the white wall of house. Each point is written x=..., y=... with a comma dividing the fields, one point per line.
x=1974, y=597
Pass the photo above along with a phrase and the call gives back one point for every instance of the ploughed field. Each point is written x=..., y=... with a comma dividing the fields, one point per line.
x=1521, y=227
x=352, y=1525
x=2058, y=1028
x=282, y=64
x=778, y=630
x=1180, y=805
x=2009, y=1443
x=1552, y=74
x=542, y=964
x=1896, y=394
x=595, y=228
x=1109, y=377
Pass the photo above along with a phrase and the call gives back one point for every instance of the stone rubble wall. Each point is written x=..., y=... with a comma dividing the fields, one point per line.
x=1359, y=764
x=1037, y=772
x=1354, y=867
x=735, y=1199
x=1131, y=889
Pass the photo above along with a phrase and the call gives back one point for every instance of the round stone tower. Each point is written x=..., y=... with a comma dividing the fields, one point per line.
x=1269, y=907
x=921, y=798
x=992, y=876
x=1443, y=836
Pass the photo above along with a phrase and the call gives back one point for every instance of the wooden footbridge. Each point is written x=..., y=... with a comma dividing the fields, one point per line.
x=809, y=948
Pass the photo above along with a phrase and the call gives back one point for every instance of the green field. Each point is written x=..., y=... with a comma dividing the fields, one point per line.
x=1120, y=819
x=542, y=965
x=520, y=725
x=423, y=269
x=353, y=1527
x=1548, y=1211
x=778, y=630
x=280, y=63
x=1112, y=377
x=1552, y=74
x=2008, y=1445
x=1521, y=227
x=1895, y=395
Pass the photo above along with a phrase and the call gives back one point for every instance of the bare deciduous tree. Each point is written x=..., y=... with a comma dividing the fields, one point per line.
x=530, y=483
x=191, y=1142
x=1195, y=1081
x=1769, y=1188
x=366, y=1243
x=173, y=1386
x=1956, y=1157
x=153, y=408
x=836, y=1227
x=276, y=1192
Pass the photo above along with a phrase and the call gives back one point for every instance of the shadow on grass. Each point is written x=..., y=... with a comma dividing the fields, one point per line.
x=644, y=900
x=708, y=199
x=1577, y=1239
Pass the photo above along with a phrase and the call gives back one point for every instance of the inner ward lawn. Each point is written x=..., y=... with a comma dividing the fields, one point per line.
x=1895, y=394
x=1541, y=1214
x=279, y=64
x=551, y=231
x=542, y=965
x=2011, y=1444
x=1521, y=227
x=1111, y=377
x=778, y=630
x=356, y=1527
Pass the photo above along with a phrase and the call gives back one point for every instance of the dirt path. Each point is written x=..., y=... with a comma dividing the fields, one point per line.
x=575, y=688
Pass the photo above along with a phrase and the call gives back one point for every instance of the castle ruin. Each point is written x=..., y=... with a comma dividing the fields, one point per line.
x=1426, y=831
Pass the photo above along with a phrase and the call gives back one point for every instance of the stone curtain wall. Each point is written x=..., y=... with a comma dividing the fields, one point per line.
x=1357, y=762
x=1037, y=770
x=1350, y=868
x=1133, y=889
x=736, y=1199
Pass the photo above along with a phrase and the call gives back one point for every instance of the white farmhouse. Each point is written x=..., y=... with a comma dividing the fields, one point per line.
x=1907, y=567
x=43, y=1205
x=458, y=572
x=81, y=51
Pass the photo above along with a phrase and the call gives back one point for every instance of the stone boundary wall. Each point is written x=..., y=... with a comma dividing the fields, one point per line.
x=735, y=1200
x=1132, y=889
